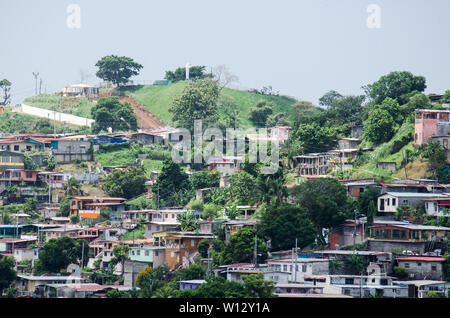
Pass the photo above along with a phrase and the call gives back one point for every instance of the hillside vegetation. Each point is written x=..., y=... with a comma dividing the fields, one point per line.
x=158, y=99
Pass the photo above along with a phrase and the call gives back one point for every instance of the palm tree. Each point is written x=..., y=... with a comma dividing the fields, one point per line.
x=164, y=292
x=188, y=221
x=73, y=187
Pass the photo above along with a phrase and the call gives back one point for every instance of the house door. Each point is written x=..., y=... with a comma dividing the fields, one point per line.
x=381, y=204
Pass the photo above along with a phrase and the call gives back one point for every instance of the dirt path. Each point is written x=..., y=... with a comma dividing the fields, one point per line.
x=145, y=119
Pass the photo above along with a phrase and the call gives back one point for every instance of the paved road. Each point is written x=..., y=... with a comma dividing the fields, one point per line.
x=52, y=115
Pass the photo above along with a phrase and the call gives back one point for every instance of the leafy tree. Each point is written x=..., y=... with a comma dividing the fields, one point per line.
x=203, y=247
x=195, y=271
x=110, y=112
x=205, y=179
x=379, y=127
x=277, y=119
x=241, y=246
x=355, y=264
x=242, y=185
x=127, y=183
x=345, y=111
x=370, y=194
x=284, y=224
x=259, y=114
x=418, y=101
x=7, y=272
x=271, y=187
x=117, y=69
x=327, y=202
x=5, y=86
x=303, y=112
x=396, y=85
x=437, y=159
x=170, y=180
x=256, y=286
x=198, y=101
x=328, y=98
x=195, y=72
x=446, y=98
x=120, y=253
x=315, y=138
x=393, y=108
x=58, y=253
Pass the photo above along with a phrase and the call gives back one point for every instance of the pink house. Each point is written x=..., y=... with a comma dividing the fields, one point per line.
x=426, y=124
x=282, y=133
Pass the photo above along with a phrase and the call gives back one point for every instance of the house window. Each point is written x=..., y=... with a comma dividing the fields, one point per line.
x=303, y=268
x=138, y=252
x=419, y=264
x=349, y=281
x=28, y=148
x=16, y=148
x=16, y=174
x=387, y=201
x=433, y=268
x=285, y=268
x=406, y=265
x=147, y=253
x=29, y=175
x=192, y=243
x=172, y=254
x=393, y=202
x=156, y=253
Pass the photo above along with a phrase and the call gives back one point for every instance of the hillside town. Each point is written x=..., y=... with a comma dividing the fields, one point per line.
x=394, y=242
x=193, y=185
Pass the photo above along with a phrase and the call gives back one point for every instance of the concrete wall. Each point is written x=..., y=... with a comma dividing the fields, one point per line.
x=387, y=166
x=387, y=246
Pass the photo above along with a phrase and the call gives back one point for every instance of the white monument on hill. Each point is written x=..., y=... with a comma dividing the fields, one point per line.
x=187, y=71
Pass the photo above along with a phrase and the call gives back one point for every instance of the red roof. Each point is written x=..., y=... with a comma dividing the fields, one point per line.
x=240, y=265
x=421, y=258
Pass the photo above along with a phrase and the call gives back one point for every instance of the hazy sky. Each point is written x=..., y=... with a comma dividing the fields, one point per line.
x=302, y=48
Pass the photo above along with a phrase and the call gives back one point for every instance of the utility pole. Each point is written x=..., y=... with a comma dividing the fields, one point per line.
x=35, y=74
x=255, y=253
x=82, y=258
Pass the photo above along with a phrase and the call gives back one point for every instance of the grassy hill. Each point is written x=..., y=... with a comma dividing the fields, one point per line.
x=158, y=99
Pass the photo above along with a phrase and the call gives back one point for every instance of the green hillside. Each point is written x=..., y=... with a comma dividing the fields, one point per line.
x=391, y=151
x=69, y=105
x=158, y=99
